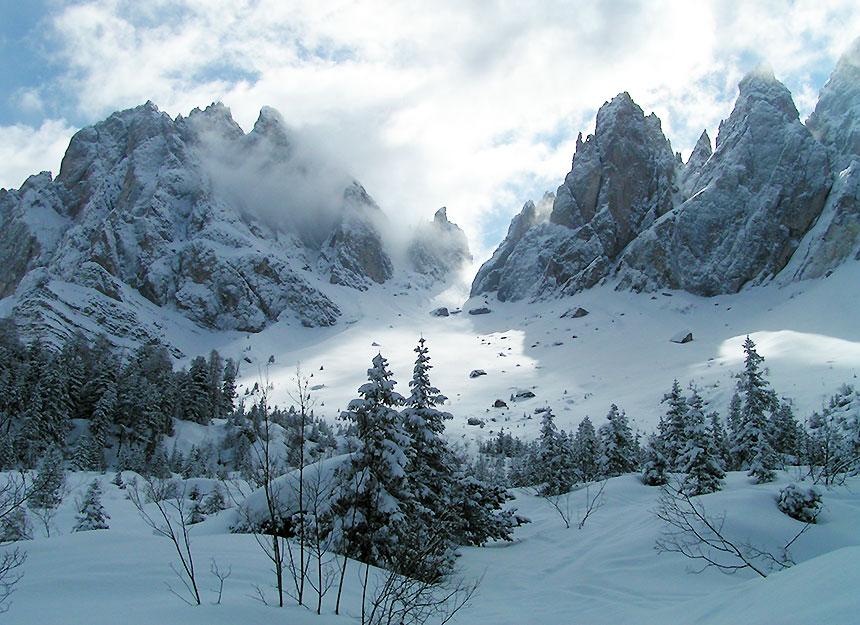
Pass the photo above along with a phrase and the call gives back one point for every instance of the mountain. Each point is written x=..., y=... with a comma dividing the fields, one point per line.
x=775, y=197
x=190, y=218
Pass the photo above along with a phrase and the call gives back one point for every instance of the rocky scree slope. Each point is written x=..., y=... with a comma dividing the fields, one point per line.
x=231, y=230
x=775, y=197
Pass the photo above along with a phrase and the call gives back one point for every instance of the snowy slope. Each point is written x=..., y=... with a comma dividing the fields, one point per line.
x=622, y=353
x=607, y=572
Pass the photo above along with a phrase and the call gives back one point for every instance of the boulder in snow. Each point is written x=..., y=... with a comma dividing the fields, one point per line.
x=682, y=337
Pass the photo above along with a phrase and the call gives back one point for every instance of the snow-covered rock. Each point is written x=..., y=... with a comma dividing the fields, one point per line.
x=730, y=217
x=439, y=247
x=193, y=216
x=835, y=122
x=755, y=198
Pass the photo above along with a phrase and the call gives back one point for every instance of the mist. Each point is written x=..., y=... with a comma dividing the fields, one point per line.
x=276, y=175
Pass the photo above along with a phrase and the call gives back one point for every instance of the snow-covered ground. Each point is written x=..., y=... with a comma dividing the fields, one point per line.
x=607, y=572
x=619, y=353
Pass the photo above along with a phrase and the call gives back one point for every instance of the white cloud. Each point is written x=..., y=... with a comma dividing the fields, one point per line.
x=29, y=101
x=473, y=105
x=25, y=150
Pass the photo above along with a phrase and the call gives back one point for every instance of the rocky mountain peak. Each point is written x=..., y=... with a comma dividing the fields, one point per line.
x=760, y=87
x=701, y=152
x=438, y=247
x=729, y=217
x=192, y=215
x=835, y=122
x=216, y=120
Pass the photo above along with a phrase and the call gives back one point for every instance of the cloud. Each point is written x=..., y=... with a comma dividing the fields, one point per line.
x=25, y=150
x=473, y=105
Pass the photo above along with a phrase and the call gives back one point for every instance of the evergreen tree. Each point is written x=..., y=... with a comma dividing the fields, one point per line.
x=372, y=509
x=91, y=514
x=431, y=464
x=699, y=459
x=214, y=502
x=617, y=444
x=227, y=397
x=15, y=526
x=553, y=468
x=674, y=425
x=718, y=432
x=752, y=446
x=196, y=399
x=787, y=434
x=656, y=465
x=586, y=452
x=733, y=461
x=49, y=482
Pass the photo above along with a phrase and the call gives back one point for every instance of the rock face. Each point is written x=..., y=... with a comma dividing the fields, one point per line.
x=773, y=197
x=835, y=122
x=439, y=247
x=622, y=179
x=151, y=215
x=755, y=198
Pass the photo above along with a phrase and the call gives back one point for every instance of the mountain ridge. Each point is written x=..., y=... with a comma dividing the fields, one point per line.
x=233, y=231
x=632, y=213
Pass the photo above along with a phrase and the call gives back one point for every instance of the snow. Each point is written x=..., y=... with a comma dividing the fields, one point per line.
x=605, y=573
x=621, y=352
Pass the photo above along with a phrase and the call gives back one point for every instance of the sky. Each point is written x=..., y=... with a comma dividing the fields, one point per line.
x=473, y=105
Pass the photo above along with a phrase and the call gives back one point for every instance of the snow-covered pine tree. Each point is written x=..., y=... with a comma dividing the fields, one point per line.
x=699, y=458
x=616, y=444
x=553, y=468
x=674, y=425
x=431, y=470
x=91, y=514
x=375, y=495
x=586, y=452
x=733, y=461
x=228, y=388
x=431, y=464
x=752, y=448
x=214, y=501
x=718, y=433
x=833, y=444
x=787, y=434
x=654, y=473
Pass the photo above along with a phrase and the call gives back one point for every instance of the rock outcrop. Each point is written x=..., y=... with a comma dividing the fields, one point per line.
x=622, y=179
x=439, y=247
x=755, y=198
x=191, y=216
x=773, y=197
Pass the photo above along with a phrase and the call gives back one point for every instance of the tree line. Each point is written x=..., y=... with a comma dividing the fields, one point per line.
x=760, y=435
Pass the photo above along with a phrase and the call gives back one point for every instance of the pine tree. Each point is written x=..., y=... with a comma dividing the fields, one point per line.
x=196, y=398
x=372, y=509
x=699, y=459
x=674, y=425
x=91, y=514
x=214, y=502
x=733, y=461
x=617, y=444
x=787, y=434
x=718, y=432
x=553, y=467
x=586, y=452
x=227, y=397
x=753, y=449
x=654, y=473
